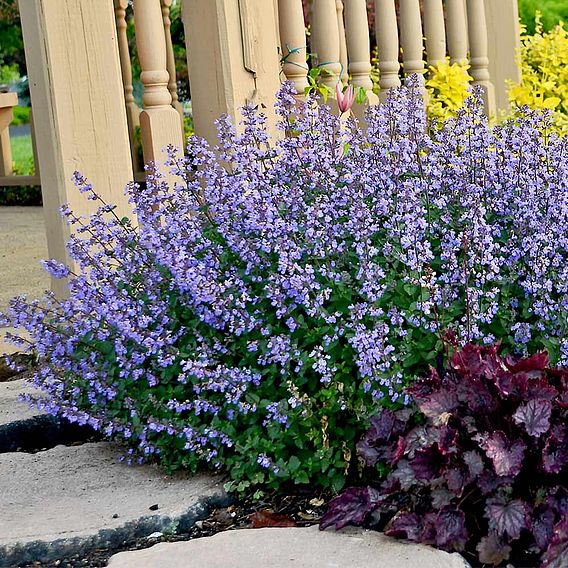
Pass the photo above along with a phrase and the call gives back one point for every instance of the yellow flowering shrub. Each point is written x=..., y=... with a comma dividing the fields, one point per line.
x=448, y=87
x=544, y=67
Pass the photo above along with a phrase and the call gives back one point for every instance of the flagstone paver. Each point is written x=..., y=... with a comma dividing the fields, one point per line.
x=289, y=548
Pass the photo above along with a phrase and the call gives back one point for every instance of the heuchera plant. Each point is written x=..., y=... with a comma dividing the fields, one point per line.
x=282, y=289
x=483, y=466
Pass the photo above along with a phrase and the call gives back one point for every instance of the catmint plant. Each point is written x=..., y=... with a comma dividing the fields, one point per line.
x=267, y=302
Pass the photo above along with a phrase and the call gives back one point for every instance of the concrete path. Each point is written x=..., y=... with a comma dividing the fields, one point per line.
x=11, y=409
x=22, y=246
x=71, y=499
x=289, y=548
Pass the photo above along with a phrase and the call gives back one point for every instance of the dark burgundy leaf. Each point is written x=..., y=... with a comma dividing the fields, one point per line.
x=405, y=525
x=447, y=438
x=541, y=389
x=556, y=555
x=537, y=362
x=507, y=457
x=370, y=454
x=535, y=416
x=489, y=481
x=492, y=550
x=398, y=450
x=474, y=463
x=456, y=479
x=427, y=463
x=404, y=475
x=474, y=392
x=437, y=404
x=509, y=518
x=543, y=526
x=449, y=528
x=441, y=498
x=350, y=508
x=555, y=452
x=266, y=518
x=513, y=384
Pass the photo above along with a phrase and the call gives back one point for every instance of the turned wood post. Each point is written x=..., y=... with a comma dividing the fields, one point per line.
x=456, y=31
x=478, y=58
x=159, y=121
x=434, y=32
x=325, y=41
x=7, y=103
x=78, y=100
x=293, y=43
x=386, y=29
x=359, y=51
x=411, y=38
x=170, y=58
x=344, y=75
x=132, y=110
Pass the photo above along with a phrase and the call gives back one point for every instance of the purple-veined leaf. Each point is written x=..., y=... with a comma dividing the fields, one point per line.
x=473, y=392
x=447, y=438
x=507, y=457
x=535, y=416
x=427, y=464
x=404, y=475
x=437, y=404
x=350, y=508
x=537, y=362
x=556, y=556
x=441, y=498
x=513, y=384
x=447, y=527
x=456, y=479
x=474, y=463
x=492, y=549
x=509, y=518
x=543, y=526
x=405, y=525
x=555, y=452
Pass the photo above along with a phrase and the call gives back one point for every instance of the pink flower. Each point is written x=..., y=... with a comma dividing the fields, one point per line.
x=344, y=100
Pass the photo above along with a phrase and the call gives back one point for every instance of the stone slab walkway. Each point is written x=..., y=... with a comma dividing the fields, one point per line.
x=22, y=245
x=65, y=499
x=289, y=548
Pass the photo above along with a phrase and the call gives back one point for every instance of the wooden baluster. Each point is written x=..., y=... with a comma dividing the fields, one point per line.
x=34, y=144
x=411, y=38
x=159, y=121
x=359, y=51
x=325, y=41
x=170, y=58
x=386, y=29
x=478, y=59
x=293, y=40
x=456, y=31
x=7, y=103
x=434, y=32
x=344, y=75
x=132, y=110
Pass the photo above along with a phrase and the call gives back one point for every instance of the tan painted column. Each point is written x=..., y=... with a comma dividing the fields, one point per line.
x=386, y=29
x=232, y=53
x=504, y=43
x=7, y=103
x=478, y=59
x=170, y=58
x=78, y=100
x=344, y=75
x=325, y=41
x=159, y=121
x=132, y=110
x=434, y=31
x=359, y=51
x=456, y=31
x=411, y=38
x=293, y=42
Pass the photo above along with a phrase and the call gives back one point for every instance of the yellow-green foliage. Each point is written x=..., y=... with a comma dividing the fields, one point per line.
x=544, y=67
x=448, y=87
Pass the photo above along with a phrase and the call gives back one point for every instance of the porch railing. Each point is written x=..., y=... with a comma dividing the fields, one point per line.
x=238, y=51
